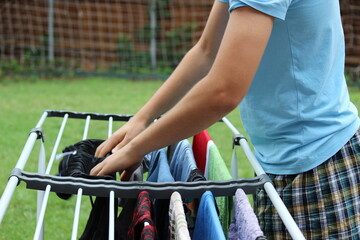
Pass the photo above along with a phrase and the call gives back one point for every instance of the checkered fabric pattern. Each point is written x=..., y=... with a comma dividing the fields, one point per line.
x=143, y=226
x=324, y=201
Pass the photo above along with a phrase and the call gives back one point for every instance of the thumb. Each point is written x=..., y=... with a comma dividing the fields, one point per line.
x=126, y=174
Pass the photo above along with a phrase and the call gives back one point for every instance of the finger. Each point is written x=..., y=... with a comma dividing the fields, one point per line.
x=95, y=170
x=98, y=149
x=125, y=176
x=108, y=145
x=119, y=146
x=105, y=170
x=107, y=166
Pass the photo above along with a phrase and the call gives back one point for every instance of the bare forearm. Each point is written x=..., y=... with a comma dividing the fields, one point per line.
x=196, y=111
x=221, y=90
x=211, y=98
x=192, y=68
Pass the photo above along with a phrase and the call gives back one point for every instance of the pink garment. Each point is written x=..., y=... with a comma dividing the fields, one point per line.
x=200, y=149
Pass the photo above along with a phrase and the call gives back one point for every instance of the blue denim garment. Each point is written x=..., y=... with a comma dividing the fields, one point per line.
x=159, y=170
x=183, y=161
x=207, y=225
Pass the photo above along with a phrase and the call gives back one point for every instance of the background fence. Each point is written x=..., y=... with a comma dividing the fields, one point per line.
x=350, y=10
x=144, y=38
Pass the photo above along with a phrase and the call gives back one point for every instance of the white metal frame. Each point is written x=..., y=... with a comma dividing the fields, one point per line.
x=43, y=195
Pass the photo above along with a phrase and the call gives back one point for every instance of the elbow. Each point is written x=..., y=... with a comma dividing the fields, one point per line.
x=225, y=99
x=207, y=49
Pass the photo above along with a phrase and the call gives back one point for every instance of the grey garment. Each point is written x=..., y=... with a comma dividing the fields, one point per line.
x=137, y=175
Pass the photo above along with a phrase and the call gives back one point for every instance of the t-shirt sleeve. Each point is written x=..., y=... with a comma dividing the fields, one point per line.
x=275, y=8
x=224, y=1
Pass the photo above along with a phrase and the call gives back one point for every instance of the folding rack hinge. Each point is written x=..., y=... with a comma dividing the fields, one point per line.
x=236, y=139
x=265, y=178
x=39, y=132
x=16, y=172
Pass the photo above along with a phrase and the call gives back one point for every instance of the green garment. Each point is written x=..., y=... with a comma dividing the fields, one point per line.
x=218, y=171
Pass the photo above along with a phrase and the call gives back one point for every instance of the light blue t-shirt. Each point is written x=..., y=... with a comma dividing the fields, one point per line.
x=297, y=111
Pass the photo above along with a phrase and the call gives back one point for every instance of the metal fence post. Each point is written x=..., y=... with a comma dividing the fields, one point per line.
x=153, y=24
x=51, y=30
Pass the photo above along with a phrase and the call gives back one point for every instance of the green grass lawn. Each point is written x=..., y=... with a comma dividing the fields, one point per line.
x=22, y=103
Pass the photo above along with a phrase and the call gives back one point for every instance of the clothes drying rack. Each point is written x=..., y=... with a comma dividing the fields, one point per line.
x=44, y=182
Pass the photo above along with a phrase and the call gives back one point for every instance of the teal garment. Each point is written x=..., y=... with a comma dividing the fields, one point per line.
x=218, y=171
x=297, y=111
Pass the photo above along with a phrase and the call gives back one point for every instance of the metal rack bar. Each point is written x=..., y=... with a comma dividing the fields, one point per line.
x=13, y=181
x=284, y=213
x=160, y=190
x=80, y=191
x=40, y=220
x=40, y=194
x=113, y=189
x=111, y=195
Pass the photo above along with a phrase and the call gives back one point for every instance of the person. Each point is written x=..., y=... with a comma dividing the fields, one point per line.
x=283, y=62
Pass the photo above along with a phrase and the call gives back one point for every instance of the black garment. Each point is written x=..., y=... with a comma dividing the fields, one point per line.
x=124, y=220
x=97, y=226
x=77, y=162
x=196, y=175
x=80, y=160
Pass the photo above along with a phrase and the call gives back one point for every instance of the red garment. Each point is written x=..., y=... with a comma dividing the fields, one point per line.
x=142, y=226
x=200, y=142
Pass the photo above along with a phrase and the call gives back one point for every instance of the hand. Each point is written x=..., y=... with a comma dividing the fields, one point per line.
x=122, y=160
x=121, y=137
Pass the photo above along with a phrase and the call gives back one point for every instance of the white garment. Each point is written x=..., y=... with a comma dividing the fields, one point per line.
x=178, y=226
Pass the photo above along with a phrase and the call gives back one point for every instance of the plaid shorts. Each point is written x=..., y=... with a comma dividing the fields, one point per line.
x=324, y=201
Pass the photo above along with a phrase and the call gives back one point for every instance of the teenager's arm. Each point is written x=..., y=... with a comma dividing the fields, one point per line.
x=193, y=67
x=218, y=93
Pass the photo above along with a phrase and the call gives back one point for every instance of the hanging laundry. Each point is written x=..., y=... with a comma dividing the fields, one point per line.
x=218, y=171
x=244, y=225
x=143, y=226
x=183, y=167
x=77, y=161
x=182, y=161
x=196, y=175
x=200, y=149
x=159, y=171
x=207, y=225
x=97, y=226
x=178, y=229
x=124, y=219
x=170, y=151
